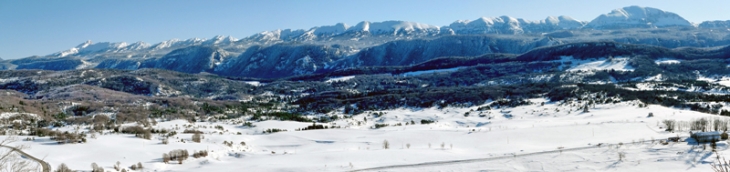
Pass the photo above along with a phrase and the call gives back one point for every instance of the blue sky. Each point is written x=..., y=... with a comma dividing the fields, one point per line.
x=31, y=27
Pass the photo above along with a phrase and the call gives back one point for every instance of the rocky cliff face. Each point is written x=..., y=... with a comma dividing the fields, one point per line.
x=194, y=59
x=190, y=60
x=398, y=53
x=281, y=60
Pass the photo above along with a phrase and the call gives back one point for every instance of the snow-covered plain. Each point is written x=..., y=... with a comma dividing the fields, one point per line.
x=541, y=126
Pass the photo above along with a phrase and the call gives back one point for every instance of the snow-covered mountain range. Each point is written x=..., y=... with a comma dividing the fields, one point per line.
x=638, y=17
x=292, y=52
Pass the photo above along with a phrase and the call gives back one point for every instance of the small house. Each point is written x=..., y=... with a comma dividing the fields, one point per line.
x=704, y=137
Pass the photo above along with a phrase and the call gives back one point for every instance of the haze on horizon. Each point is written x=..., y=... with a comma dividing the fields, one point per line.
x=43, y=27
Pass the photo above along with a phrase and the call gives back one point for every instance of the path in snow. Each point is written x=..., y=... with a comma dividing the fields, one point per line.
x=437, y=163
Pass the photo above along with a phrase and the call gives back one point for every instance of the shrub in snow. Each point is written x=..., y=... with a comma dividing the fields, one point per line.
x=200, y=154
x=273, y=130
x=165, y=158
x=424, y=121
x=196, y=137
x=137, y=166
x=176, y=155
x=376, y=126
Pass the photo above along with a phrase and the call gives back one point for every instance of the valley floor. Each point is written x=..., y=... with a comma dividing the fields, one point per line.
x=505, y=132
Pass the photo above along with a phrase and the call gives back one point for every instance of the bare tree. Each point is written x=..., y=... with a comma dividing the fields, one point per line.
x=117, y=166
x=10, y=160
x=96, y=168
x=670, y=124
x=63, y=168
x=386, y=145
x=721, y=165
x=621, y=156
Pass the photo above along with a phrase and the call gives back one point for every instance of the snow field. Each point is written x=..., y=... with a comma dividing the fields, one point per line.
x=526, y=129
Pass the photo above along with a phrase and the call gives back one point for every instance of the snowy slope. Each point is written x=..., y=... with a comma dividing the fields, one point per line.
x=637, y=17
x=617, y=64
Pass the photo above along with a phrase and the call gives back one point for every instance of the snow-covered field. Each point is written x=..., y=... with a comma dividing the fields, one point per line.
x=499, y=132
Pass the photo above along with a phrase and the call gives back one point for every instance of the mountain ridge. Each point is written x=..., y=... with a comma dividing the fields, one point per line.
x=285, y=53
x=628, y=17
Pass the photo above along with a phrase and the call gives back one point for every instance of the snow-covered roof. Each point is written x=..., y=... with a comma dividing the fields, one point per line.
x=709, y=133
